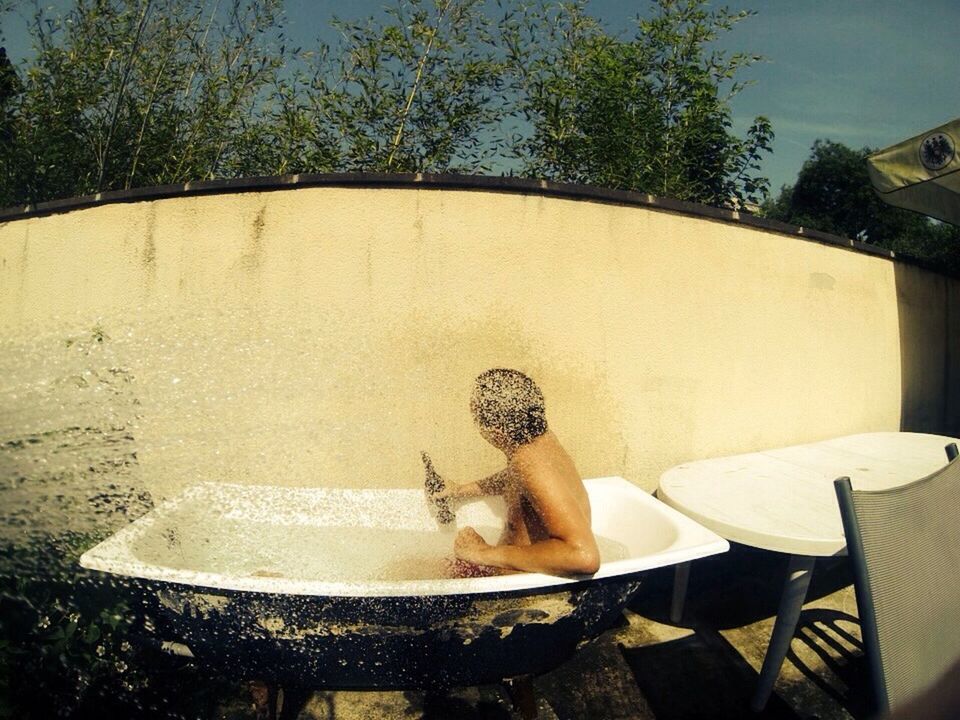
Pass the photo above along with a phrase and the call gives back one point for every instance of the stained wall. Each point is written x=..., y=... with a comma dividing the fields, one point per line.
x=326, y=335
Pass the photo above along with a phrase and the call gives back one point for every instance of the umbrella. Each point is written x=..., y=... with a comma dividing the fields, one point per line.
x=921, y=174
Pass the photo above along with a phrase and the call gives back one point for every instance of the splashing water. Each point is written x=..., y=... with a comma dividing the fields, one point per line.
x=102, y=418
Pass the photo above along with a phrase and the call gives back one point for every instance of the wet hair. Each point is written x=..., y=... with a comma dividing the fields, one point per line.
x=509, y=401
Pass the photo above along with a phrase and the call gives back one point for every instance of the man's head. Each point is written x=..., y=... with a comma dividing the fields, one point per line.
x=508, y=406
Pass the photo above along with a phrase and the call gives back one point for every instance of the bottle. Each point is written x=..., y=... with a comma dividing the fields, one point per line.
x=434, y=484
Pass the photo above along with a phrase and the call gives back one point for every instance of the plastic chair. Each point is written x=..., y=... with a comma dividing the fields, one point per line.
x=904, y=546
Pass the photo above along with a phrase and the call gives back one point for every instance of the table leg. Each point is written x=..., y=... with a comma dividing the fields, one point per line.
x=791, y=602
x=681, y=575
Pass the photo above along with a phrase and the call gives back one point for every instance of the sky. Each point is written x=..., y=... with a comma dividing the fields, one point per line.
x=861, y=72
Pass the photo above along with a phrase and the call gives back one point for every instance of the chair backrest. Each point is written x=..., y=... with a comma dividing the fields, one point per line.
x=904, y=546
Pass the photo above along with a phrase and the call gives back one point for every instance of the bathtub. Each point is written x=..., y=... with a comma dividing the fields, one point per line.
x=346, y=589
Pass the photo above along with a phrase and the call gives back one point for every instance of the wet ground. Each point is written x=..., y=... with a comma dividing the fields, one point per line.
x=703, y=668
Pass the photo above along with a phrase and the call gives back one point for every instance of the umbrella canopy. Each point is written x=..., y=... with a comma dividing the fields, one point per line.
x=921, y=174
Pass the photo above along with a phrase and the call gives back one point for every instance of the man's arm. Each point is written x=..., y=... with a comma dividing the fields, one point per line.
x=490, y=485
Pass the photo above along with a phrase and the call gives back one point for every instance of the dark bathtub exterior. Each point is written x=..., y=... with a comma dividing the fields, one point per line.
x=432, y=641
x=250, y=613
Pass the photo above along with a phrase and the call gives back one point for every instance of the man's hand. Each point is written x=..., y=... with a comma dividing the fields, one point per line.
x=470, y=546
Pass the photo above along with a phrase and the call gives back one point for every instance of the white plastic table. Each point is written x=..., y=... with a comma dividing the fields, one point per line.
x=784, y=500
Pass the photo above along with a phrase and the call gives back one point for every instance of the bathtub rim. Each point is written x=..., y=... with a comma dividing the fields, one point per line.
x=113, y=556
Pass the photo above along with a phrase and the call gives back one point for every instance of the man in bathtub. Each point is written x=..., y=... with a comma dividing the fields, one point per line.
x=548, y=511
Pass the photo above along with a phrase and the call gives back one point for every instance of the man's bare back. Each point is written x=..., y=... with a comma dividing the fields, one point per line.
x=541, y=462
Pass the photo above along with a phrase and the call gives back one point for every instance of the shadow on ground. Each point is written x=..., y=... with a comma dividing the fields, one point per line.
x=705, y=667
x=825, y=634
x=699, y=677
x=442, y=707
x=731, y=603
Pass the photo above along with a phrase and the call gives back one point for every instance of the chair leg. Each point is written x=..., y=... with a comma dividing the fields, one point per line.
x=520, y=690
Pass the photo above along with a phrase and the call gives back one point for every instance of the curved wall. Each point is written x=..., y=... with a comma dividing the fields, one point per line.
x=325, y=335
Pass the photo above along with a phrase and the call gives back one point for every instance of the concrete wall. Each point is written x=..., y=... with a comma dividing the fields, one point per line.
x=326, y=335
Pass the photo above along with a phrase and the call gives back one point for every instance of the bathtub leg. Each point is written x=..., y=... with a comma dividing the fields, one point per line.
x=520, y=690
x=272, y=698
x=294, y=700
x=264, y=698
x=681, y=575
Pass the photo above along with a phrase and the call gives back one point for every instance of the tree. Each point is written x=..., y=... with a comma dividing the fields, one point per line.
x=125, y=93
x=415, y=94
x=648, y=114
x=833, y=193
x=148, y=92
x=9, y=89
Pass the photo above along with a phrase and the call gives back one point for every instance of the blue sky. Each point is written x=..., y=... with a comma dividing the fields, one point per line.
x=860, y=72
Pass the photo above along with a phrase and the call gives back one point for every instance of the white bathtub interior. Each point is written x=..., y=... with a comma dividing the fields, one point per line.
x=347, y=541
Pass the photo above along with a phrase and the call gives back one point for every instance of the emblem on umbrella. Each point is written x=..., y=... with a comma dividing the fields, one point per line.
x=937, y=151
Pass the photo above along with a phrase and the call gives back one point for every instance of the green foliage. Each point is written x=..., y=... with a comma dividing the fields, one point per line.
x=9, y=89
x=124, y=93
x=69, y=645
x=57, y=647
x=833, y=194
x=417, y=91
x=414, y=94
x=645, y=114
